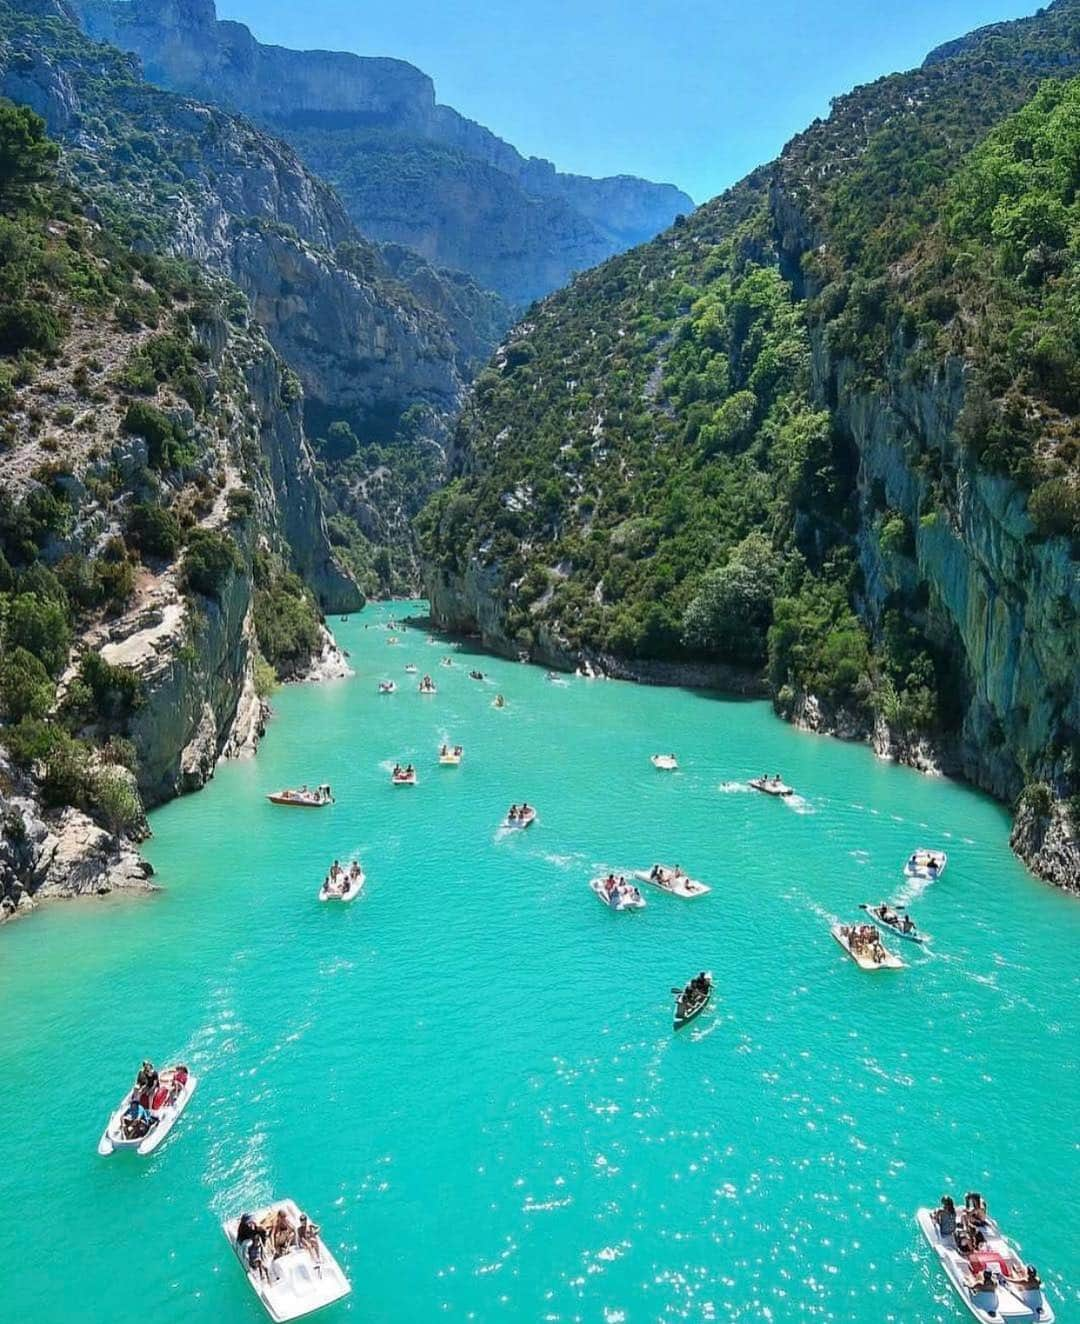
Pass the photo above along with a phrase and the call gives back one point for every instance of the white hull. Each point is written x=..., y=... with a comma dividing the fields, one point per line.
x=926, y=864
x=427, y=689
x=891, y=962
x=353, y=888
x=521, y=822
x=1007, y=1303
x=112, y=1137
x=449, y=760
x=620, y=901
x=871, y=914
x=404, y=781
x=676, y=883
x=388, y=689
x=665, y=762
x=770, y=786
x=297, y=1285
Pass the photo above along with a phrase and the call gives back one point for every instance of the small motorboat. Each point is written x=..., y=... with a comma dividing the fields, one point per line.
x=1008, y=1294
x=893, y=919
x=771, y=785
x=450, y=755
x=410, y=669
x=303, y=798
x=865, y=948
x=672, y=880
x=692, y=1000
x=519, y=818
x=476, y=675
x=665, y=762
x=498, y=701
x=427, y=686
x=387, y=687
x=617, y=893
x=403, y=776
x=926, y=864
x=145, y=1117
x=292, y=1284
x=345, y=885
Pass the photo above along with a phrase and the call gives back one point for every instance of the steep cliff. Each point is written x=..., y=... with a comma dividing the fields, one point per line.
x=162, y=541
x=827, y=428
x=410, y=171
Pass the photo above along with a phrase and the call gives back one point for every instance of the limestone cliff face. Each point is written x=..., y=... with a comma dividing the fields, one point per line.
x=411, y=171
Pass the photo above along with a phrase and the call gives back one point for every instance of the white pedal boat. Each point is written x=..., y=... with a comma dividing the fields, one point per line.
x=671, y=880
x=298, y=1285
x=411, y=670
x=891, y=962
x=665, y=762
x=391, y=640
x=622, y=897
x=403, y=778
x=426, y=689
x=770, y=786
x=450, y=756
x=387, y=687
x=875, y=913
x=347, y=886
x=522, y=819
x=163, y=1119
x=926, y=864
x=1009, y=1300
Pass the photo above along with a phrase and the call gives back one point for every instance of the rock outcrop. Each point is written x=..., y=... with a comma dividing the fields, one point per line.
x=411, y=171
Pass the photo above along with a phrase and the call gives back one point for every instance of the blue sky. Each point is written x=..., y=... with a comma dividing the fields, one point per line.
x=695, y=92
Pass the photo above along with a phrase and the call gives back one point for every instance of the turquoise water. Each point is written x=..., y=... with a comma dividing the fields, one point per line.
x=469, y=1075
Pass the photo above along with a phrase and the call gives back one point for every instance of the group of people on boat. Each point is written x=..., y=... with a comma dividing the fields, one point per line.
x=339, y=880
x=618, y=889
x=697, y=989
x=274, y=1236
x=864, y=941
x=925, y=862
x=402, y=774
x=658, y=874
x=306, y=796
x=498, y=701
x=518, y=813
x=476, y=675
x=969, y=1229
x=903, y=923
x=446, y=751
x=427, y=685
x=150, y=1093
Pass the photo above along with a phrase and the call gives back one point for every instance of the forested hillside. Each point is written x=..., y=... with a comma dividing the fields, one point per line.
x=824, y=431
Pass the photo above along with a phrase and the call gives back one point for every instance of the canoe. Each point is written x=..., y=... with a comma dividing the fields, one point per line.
x=627, y=898
x=665, y=762
x=873, y=913
x=353, y=888
x=521, y=821
x=1007, y=1301
x=770, y=786
x=162, y=1121
x=297, y=1285
x=688, y=1008
x=924, y=863
x=891, y=961
x=673, y=881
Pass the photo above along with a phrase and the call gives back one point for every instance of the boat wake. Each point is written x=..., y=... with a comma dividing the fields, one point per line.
x=912, y=890
x=732, y=788
x=798, y=804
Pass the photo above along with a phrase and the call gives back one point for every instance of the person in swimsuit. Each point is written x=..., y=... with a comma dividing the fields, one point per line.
x=945, y=1217
x=282, y=1234
x=307, y=1237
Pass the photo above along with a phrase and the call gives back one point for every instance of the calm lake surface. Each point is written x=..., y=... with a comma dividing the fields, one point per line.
x=469, y=1076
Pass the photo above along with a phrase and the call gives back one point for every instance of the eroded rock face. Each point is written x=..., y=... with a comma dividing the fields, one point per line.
x=440, y=183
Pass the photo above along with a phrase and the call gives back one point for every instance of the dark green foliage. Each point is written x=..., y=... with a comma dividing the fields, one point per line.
x=286, y=618
x=153, y=530
x=168, y=445
x=25, y=325
x=1055, y=508
x=26, y=689
x=27, y=156
x=114, y=691
x=210, y=559
x=40, y=626
x=732, y=610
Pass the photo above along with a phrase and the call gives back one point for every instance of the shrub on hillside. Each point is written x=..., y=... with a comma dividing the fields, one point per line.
x=26, y=689
x=1054, y=507
x=153, y=530
x=41, y=627
x=209, y=560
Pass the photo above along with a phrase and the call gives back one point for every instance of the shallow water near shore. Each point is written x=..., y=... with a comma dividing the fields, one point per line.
x=469, y=1076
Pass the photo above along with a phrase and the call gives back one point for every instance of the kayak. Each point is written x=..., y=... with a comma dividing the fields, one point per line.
x=770, y=786
x=623, y=897
x=691, y=1003
x=1006, y=1301
x=874, y=913
x=863, y=961
x=521, y=820
x=162, y=1118
x=665, y=762
x=298, y=1283
x=673, y=881
x=926, y=864
x=352, y=888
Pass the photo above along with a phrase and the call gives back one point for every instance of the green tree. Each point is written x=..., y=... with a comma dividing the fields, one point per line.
x=26, y=689
x=27, y=155
x=731, y=613
x=40, y=626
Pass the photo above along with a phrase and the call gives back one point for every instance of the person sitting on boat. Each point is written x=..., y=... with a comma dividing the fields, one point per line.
x=512, y=813
x=963, y=1239
x=256, y=1261
x=975, y=1208
x=178, y=1083
x=135, y=1122
x=610, y=884
x=945, y=1217
x=248, y=1230
x=282, y=1234
x=907, y=924
x=457, y=751
x=987, y=1283
x=146, y=1082
x=307, y=1237
x=525, y=810
x=1031, y=1282
x=409, y=770
x=657, y=874
x=397, y=770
